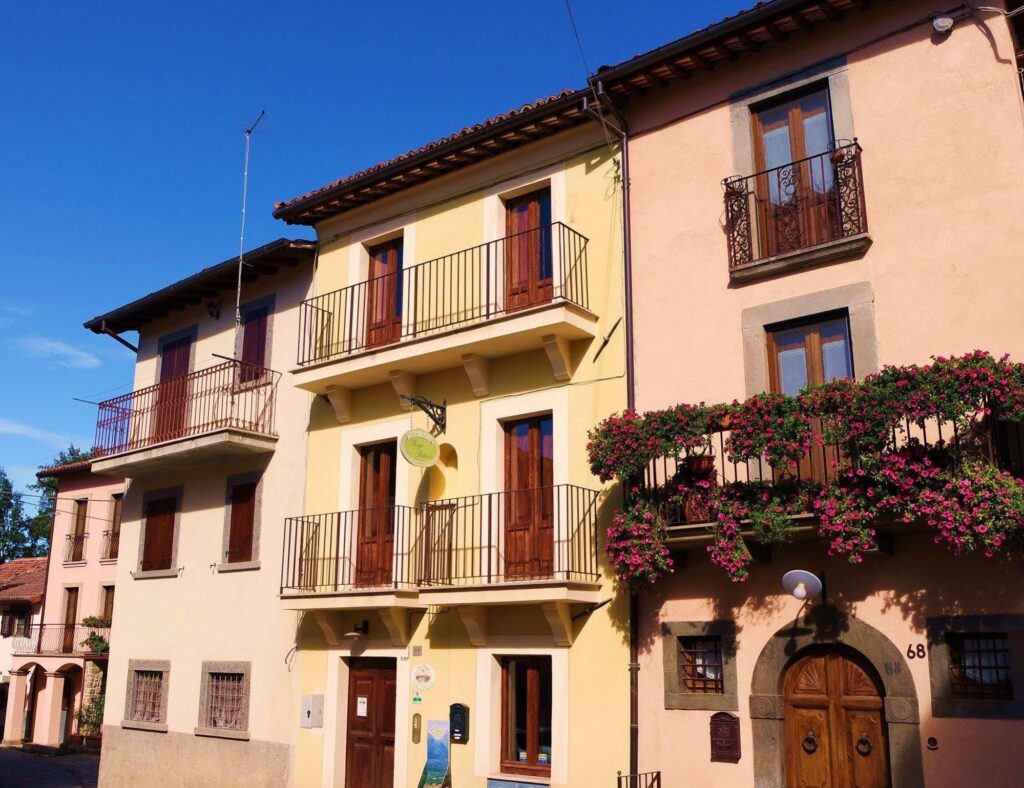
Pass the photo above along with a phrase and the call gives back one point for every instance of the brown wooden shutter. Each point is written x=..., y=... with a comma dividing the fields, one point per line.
x=159, y=537
x=243, y=518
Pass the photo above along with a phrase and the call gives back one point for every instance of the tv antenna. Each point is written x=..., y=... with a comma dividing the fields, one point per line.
x=241, y=239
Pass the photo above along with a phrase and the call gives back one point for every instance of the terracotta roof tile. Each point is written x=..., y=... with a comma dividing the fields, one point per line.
x=60, y=470
x=23, y=580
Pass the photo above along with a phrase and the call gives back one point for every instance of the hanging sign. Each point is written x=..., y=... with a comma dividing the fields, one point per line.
x=419, y=448
x=423, y=677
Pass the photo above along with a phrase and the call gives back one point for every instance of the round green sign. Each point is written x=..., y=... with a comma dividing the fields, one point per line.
x=419, y=448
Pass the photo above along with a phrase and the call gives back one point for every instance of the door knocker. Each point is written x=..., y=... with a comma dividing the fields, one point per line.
x=864, y=745
x=810, y=744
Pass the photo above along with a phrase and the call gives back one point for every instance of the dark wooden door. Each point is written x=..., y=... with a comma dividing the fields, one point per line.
x=439, y=543
x=809, y=353
x=529, y=498
x=370, y=752
x=255, y=325
x=796, y=192
x=835, y=733
x=384, y=294
x=172, y=394
x=376, y=528
x=70, y=619
x=528, y=252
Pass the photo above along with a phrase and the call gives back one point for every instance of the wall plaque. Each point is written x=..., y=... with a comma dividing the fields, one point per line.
x=725, y=737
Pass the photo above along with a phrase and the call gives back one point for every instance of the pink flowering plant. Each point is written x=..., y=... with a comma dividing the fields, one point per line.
x=636, y=544
x=909, y=444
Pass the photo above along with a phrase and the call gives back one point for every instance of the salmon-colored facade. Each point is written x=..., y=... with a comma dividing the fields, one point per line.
x=934, y=270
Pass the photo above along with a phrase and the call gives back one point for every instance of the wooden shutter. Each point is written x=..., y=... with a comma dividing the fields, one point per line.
x=254, y=343
x=108, y=602
x=243, y=519
x=7, y=625
x=159, y=535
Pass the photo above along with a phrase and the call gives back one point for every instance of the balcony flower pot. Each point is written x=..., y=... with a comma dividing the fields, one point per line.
x=700, y=464
x=75, y=739
x=93, y=741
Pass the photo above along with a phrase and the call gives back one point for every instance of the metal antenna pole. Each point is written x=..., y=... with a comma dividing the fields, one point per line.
x=241, y=239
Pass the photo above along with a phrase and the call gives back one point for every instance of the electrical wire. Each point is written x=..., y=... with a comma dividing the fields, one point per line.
x=992, y=10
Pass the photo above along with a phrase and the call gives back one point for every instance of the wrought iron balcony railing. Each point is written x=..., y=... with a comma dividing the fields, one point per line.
x=230, y=395
x=644, y=780
x=74, y=548
x=548, y=533
x=77, y=639
x=796, y=206
x=529, y=269
x=111, y=544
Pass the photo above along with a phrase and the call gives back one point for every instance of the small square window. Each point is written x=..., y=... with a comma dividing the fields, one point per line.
x=146, y=695
x=701, y=666
x=980, y=666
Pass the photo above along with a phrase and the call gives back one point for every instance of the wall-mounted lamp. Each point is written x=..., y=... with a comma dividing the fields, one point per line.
x=943, y=24
x=358, y=630
x=213, y=310
x=802, y=585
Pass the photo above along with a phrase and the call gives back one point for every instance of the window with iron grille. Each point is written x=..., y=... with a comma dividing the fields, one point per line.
x=225, y=700
x=700, y=665
x=147, y=696
x=980, y=666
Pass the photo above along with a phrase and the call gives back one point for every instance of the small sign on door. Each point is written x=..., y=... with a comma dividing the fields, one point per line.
x=362, y=705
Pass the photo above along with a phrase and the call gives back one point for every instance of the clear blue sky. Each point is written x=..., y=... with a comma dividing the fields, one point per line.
x=121, y=145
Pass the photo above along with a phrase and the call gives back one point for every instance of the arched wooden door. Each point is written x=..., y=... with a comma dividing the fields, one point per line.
x=835, y=722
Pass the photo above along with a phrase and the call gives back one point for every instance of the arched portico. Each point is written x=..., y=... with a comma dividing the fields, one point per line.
x=825, y=625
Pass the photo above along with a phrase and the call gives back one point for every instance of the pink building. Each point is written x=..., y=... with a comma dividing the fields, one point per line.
x=59, y=663
x=22, y=583
x=820, y=189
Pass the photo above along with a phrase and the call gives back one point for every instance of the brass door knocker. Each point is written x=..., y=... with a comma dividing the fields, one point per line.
x=864, y=745
x=810, y=744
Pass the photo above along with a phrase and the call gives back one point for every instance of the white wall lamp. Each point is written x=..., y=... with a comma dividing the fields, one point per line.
x=803, y=585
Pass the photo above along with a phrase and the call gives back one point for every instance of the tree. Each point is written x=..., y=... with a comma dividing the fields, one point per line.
x=46, y=488
x=17, y=539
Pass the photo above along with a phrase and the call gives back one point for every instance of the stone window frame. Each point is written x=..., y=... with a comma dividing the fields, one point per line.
x=156, y=665
x=943, y=702
x=168, y=492
x=857, y=300
x=203, y=728
x=832, y=74
x=254, y=563
x=676, y=696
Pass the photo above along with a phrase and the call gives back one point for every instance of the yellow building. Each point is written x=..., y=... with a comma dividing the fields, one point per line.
x=471, y=292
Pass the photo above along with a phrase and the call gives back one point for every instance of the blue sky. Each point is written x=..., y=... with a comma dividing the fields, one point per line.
x=121, y=146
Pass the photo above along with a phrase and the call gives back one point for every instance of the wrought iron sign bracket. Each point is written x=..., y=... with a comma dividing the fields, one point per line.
x=437, y=413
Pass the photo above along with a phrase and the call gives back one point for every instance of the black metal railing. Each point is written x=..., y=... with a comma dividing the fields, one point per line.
x=74, y=548
x=643, y=780
x=547, y=533
x=111, y=544
x=525, y=270
x=232, y=394
x=999, y=442
x=796, y=206
x=62, y=639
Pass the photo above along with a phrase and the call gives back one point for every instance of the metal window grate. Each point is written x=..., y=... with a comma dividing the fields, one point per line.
x=149, y=685
x=700, y=662
x=225, y=700
x=980, y=666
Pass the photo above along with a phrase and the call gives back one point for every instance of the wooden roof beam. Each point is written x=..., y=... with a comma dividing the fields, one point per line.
x=724, y=52
x=701, y=62
x=778, y=35
x=830, y=12
x=803, y=22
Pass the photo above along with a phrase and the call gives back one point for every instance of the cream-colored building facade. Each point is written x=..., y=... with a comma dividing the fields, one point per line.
x=463, y=598
x=211, y=442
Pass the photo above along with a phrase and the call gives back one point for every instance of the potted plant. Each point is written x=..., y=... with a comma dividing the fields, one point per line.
x=90, y=722
x=95, y=642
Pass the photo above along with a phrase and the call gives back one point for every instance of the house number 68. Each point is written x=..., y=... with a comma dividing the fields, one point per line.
x=916, y=652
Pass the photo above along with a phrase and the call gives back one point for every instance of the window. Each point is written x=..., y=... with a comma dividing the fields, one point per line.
x=14, y=622
x=114, y=534
x=980, y=666
x=809, y=352
x=526, y=715
x=145, y=704
x=528, y=253
x=76, y=539
x=158, y=547
x=224, y=700
x=700, y=660
x=243, y=517
x=699, y=665
x=108, y=602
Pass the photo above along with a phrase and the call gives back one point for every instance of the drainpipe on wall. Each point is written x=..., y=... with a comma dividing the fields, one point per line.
x=627, y=260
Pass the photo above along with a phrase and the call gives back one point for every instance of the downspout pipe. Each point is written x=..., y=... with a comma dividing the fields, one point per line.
x=606, y=101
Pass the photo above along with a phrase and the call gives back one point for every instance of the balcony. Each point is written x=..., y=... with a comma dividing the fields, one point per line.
x=111, y=545
x=62, y=639
x=524, y=292
x=74, y=548
x=798, y=215
x=211, y=415
x=537, y=546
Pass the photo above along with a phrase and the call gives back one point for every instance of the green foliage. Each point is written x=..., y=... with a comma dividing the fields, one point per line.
x=39, y=524
x=90, y=716
x=16, y=540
